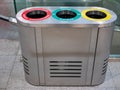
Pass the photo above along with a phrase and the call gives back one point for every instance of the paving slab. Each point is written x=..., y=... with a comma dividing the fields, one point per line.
x=6, y=64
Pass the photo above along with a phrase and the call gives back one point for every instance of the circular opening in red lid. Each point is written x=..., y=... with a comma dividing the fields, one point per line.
x=36, y=14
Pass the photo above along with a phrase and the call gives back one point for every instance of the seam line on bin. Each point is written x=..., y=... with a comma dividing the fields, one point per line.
x=37, y=56
x=43, y=57
x=95, y=56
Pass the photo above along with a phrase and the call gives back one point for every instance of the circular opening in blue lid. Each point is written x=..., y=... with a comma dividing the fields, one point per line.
x=66, y=14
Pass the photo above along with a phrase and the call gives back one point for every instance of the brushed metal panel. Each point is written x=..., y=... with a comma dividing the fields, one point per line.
x=40, y=55
x=102, y=53
x=91, y=57
x=66, y=44
x=28, y=46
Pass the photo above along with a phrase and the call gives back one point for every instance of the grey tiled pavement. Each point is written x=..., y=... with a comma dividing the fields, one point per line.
x=8, y=47
x=12, y=74
x=8, y=53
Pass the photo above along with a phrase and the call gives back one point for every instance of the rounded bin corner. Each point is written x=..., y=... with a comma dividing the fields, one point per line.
x=35, y=14
x=96, y=14
x=98, y=83
x=66, y=14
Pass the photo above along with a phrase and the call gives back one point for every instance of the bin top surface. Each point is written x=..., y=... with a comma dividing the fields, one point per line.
x=66, y=16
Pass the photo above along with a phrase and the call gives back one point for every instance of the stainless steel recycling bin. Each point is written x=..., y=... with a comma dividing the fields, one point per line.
x=65, y=45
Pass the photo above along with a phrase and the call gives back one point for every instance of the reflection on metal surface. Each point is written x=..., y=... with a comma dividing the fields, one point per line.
x=13, y=20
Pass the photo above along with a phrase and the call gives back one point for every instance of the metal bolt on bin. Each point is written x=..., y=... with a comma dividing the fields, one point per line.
x=65, y=45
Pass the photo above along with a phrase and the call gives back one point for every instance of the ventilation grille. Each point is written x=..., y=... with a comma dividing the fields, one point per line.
x=105, y=66
x=65, y=69
x=26, y=67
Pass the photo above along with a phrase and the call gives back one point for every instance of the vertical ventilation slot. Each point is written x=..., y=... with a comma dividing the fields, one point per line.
x=26, y=67
x=104, y=66
x=65, y=69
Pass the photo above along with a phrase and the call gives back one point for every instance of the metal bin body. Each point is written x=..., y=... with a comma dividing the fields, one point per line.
x=60, y=51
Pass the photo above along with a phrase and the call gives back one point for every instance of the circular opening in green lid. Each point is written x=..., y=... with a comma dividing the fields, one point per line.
x=66, y=14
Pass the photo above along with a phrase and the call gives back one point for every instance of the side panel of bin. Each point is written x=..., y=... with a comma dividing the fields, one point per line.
x=102, y=54
x=39, y=40
x=30, y=62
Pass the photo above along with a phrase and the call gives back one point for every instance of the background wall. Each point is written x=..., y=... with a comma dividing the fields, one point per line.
x=7, y=30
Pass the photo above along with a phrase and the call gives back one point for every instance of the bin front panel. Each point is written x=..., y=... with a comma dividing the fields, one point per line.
x=66, y=53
